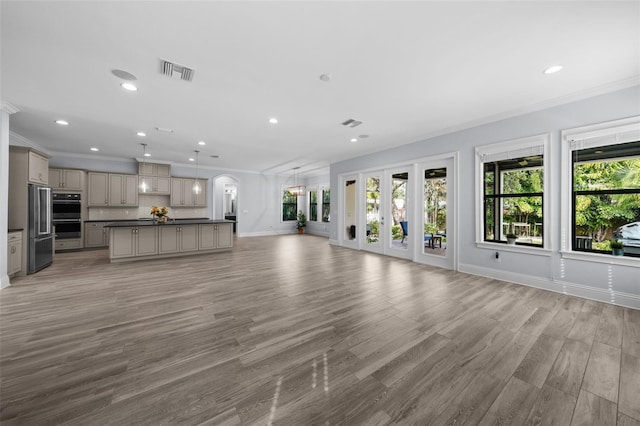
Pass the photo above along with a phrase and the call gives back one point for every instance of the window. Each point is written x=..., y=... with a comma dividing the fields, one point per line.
x=511, y=191
x=326, y=205
x=289, y=206
x=313, y=206
x=606, y=198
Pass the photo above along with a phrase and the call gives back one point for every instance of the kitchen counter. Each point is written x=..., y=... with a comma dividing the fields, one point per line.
x=15, y=230
x=143, y=219
x=145, y=222
x=144, y=239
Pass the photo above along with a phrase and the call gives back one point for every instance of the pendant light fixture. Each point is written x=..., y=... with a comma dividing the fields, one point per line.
x=143, y=182
x=297, y=190
x=196, y=185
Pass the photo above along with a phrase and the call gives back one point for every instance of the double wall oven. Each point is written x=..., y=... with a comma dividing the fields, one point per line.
x=67, y=215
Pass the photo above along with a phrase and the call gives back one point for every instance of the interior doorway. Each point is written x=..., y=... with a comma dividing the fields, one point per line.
x=225, y=196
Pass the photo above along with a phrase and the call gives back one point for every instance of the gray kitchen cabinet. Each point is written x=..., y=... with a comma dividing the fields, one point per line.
x=112, y=190
x=182, y=193
x=95, y=235
x=66, y=179
x=14, y=253
x=215, y=236
x=133, y=241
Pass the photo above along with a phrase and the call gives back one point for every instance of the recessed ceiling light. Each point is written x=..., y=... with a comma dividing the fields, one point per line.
x=94, y=149
x=141, y=134
x=129, y=86
x=202, y=143
x=192, y=159
x=325, y=77
x=273, y=120
x=62, y=122
x=553, y=69
x=146, y=154
x=354, y=140
x=164, y=130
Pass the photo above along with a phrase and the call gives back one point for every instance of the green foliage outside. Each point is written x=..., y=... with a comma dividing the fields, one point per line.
x=598, y=215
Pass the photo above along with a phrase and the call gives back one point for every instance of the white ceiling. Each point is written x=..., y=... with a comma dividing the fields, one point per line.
x=408, y=70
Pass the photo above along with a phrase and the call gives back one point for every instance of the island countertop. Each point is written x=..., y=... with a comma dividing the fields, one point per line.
x=130, y=223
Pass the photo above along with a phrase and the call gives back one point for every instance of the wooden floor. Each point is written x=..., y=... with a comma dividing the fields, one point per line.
x=291, y=331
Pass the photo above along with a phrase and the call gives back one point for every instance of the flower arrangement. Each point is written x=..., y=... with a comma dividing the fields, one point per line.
x=160, y=213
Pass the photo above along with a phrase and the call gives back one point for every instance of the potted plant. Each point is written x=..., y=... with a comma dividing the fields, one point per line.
x=301, y=221
x=617, y=248
x=511, y=238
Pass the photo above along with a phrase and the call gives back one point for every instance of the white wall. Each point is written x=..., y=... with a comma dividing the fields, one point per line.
x=611, y=283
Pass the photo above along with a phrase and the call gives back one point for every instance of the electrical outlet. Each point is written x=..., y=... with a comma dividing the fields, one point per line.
x=497, y=258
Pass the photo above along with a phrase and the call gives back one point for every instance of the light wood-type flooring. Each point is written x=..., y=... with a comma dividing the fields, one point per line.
x=288, y=330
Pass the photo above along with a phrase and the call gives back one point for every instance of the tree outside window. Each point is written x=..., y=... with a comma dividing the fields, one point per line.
x=289, y=206
x=606, y=197
x=313, y=206
x=326, y=205
x=513, y=200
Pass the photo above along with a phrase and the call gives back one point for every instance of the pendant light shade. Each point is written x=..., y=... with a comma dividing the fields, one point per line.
x=143, y=182
x=297, y=190
x=196, y=185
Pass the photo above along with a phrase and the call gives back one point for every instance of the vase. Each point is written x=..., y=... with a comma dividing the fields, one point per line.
x=617, y=251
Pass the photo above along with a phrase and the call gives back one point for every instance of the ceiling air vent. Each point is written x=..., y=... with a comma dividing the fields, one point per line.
x=176, y=71
x=352, y=123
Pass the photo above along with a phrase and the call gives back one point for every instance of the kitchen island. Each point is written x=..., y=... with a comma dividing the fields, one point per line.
x=145, y=239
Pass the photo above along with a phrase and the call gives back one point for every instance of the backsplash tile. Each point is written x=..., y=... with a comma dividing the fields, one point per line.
x=145, y=202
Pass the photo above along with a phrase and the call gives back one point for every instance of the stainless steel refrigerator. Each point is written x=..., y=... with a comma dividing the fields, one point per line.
x=40, y=253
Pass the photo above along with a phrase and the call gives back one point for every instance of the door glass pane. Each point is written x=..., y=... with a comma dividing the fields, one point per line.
x=373, y=210
x=435, y=211
x=399, y=228
x=350, y=209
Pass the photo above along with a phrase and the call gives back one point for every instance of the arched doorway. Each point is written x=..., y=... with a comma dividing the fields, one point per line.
x=225, y=199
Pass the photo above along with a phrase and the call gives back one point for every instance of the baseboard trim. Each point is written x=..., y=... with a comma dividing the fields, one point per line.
x=263, y=234
x=4, y=281
x=572, y=289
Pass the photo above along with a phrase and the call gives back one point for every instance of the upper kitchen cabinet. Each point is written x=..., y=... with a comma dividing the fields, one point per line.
x=182, y=194
x=154, y=169
x=37, y=164
x=123, y=190
x=112, y=190
x=38, y=168
x=66, y=179
x=156, y=177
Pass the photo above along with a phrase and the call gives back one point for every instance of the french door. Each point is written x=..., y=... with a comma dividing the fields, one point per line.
x=436, y=190
x=387, y=208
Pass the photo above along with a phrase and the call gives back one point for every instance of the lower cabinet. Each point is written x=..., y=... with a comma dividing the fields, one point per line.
x=14, y=253
x=67, y=244
x=180, y=238
x=129, y=243
x=95, y=235
x=216, y=236
x=134, y=241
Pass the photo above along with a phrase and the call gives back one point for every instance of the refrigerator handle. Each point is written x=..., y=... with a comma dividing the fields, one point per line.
x=49, y=210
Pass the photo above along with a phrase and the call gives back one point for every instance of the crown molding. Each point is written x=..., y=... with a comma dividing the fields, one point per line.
x=19, y=140
x=9, y=108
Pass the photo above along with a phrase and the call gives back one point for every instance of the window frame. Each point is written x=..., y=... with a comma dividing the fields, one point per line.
x=511, y=149
x=310, y=204
x=282, y=204
x=322, y=204
x=592, y=136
